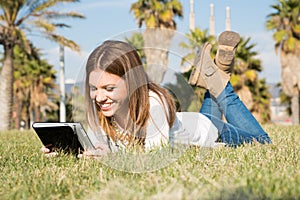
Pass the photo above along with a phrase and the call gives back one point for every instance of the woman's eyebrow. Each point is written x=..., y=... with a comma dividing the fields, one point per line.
x=103, y=86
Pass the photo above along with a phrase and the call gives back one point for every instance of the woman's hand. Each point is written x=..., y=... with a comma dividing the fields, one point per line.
x=98, y=152
x=48, y=153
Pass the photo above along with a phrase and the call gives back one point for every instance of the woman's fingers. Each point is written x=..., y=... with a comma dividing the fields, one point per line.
x=45, y=150
x=101, y=146
x=52, y=154
x=96, y=153
x=100, y=150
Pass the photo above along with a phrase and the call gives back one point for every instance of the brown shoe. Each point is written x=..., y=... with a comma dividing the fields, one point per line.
x=227, y=44
x=202, y=57
x=206, y=74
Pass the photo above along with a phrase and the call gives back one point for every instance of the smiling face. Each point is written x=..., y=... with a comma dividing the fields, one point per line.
x=114, y=71
x=109, y=92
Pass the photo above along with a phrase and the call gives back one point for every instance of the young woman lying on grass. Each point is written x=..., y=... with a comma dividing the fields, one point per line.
x=129, y=110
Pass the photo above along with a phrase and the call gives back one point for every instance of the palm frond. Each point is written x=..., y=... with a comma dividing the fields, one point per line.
x=65, y=42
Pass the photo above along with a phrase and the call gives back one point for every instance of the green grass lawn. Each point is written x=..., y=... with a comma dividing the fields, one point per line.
x=248, y=172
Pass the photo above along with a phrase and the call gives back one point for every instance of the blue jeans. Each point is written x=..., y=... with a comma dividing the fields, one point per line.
x=241, y=126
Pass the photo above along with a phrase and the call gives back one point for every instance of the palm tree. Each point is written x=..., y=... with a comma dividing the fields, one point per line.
x=158, y=17
x=285, y=22
x=261, y=100
x=252, y=90
x=137, y=41
x=34, y=81
x=245, y=71
x=196, y=38
x=18, y=19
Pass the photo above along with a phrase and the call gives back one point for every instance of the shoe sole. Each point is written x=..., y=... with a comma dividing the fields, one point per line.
x=193, y=79
x=228, y=42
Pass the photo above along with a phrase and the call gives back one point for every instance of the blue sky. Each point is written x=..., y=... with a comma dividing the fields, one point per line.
x=108, y=19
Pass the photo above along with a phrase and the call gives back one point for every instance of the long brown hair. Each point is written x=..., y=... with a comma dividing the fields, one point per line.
x=121, y=59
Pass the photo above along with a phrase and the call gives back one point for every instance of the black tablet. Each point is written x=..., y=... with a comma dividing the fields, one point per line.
x=68, y=137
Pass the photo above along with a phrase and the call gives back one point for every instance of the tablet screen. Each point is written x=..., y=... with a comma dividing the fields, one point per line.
x=58, y=136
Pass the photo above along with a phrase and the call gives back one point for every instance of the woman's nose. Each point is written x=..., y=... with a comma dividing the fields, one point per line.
x=100, y=96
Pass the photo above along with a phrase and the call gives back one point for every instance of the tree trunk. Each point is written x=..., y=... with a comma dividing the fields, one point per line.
x=37, y=112
x=27, y=107
x=28, y=115
x=6, y=88
x=18, y=108
x=295, y=108
x=290, y=75
x=157, y=43
x=246, y=96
